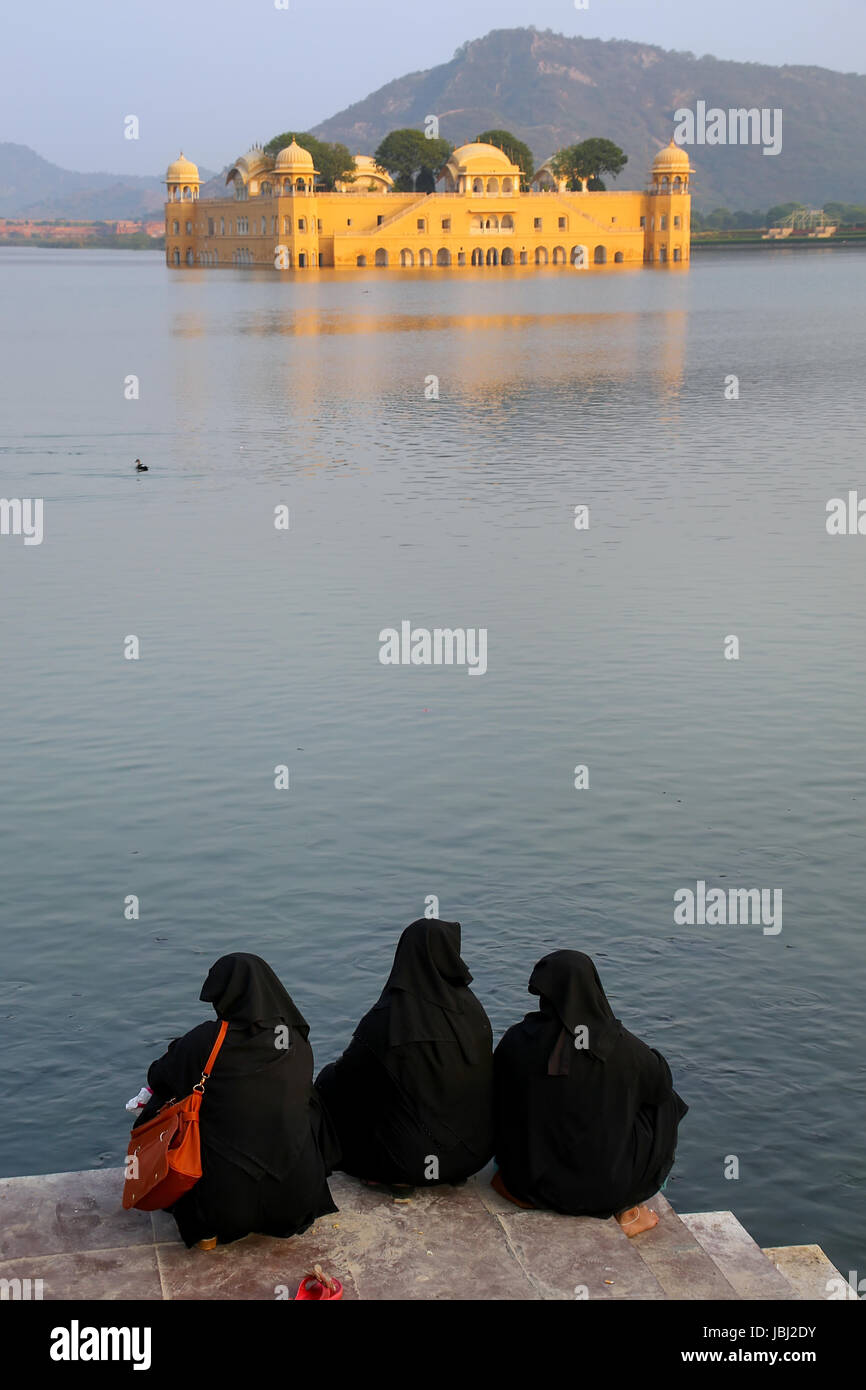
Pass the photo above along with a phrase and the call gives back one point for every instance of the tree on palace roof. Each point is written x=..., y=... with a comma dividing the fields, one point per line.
x=412, y=160
x=585, y=162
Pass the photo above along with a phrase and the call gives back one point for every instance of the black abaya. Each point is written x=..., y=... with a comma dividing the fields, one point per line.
x=266, y=1146
x=411, y=1097
x=586, y=1114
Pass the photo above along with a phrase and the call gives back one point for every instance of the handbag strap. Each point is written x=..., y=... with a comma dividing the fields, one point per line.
x=208, y=1066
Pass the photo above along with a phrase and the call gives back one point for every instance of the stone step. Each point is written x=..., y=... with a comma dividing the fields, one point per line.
x=66, y=1234
x=678, y=1261
x=579, y=1257
x=810, y=1272
x=738, y=1257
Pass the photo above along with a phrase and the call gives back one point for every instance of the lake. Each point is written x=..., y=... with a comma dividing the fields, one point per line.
x=260, y=648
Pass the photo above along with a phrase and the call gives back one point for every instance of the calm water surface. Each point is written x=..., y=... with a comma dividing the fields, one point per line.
x=261, y=647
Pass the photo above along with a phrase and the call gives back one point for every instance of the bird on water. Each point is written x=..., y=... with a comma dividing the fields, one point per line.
x=140, y=467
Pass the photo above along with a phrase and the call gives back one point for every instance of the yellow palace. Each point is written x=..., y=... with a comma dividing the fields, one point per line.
x=276, y=219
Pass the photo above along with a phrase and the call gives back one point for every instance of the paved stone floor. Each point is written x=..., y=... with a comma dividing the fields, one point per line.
x=69, y=1230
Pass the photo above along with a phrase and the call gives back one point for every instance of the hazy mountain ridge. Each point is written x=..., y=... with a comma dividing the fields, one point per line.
x=31, y=186
x=550, y=90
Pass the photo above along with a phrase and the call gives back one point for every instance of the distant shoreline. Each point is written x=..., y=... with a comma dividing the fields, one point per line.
x=775, y=243
x=89, y=244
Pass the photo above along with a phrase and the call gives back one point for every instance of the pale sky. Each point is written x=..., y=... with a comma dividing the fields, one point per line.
x=212, y=76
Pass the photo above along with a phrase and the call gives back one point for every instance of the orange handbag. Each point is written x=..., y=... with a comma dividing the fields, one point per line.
x=163, y=1160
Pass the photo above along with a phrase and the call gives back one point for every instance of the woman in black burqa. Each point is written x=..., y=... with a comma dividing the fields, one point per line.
x=411, y=1097
x=265, y=1145
x=586, y=1113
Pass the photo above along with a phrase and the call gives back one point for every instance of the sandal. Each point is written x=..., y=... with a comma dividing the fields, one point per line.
x=319, y=1285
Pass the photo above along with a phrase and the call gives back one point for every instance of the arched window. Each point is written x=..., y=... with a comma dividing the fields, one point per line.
x=618, y=258
x=407, y=257
x=264, y=225
x=381, y=256
x=175, y=256
x=559, y=255
x=287, y=225
x=189, y=229
x=477, y=185
x=600, y=255
x=678, y=184
x=508, y=185
x=508, y=256
x=492, y=185
x=491, y=223
x=478, y=256
x=579, y=255
x=508, y=223
x=362, y=260
x=299, y=183
x=190, y=257
x=425, y=257
x=541, y=255
x=492, y=256
x=175, y=227
x=443, y=256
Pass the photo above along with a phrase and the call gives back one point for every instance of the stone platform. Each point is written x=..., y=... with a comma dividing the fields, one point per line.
x=69, y=1230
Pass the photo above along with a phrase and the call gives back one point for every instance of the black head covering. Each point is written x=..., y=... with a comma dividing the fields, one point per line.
x=427, y=963
x=244, y=989
x=427, y=992
x=569, y=987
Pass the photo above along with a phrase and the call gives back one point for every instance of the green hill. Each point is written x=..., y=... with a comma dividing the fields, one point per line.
x=551, y=90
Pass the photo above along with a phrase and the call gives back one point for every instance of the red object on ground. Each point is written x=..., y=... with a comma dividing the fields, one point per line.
x=319, y=1285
